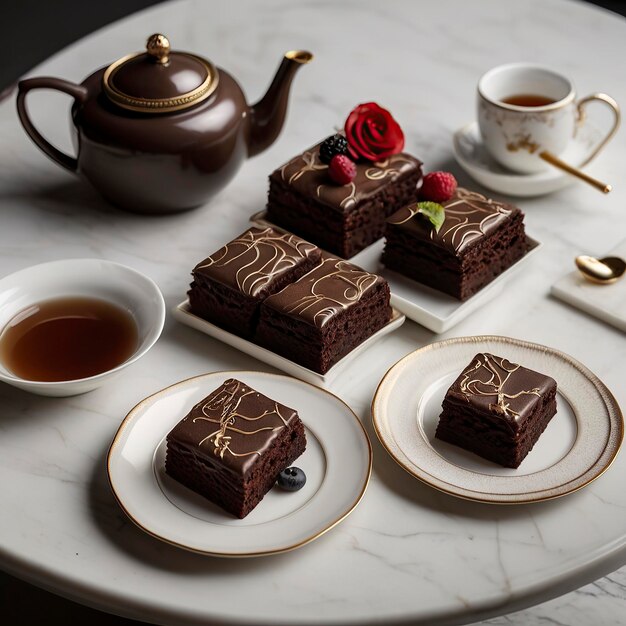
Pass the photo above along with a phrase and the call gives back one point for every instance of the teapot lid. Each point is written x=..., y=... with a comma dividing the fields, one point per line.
x=159, y=81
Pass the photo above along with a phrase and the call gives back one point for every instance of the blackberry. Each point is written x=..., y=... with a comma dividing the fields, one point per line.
x=337, y=144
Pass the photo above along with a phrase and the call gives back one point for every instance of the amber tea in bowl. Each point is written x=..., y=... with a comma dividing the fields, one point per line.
x=67, y=327
x=67, y=339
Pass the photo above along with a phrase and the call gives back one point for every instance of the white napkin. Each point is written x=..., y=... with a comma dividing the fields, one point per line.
x=606, y=302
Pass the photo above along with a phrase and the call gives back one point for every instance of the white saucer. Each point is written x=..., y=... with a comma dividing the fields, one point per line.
x=579, y=444
x=337, y=462
x=472, y=156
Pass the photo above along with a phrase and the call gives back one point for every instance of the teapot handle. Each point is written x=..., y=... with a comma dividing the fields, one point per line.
x=78, y=92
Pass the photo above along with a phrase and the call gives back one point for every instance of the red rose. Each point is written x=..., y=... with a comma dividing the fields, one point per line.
x=372, y=133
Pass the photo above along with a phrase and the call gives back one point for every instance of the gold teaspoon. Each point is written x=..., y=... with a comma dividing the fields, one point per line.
x=602, y=271
x=566, y=167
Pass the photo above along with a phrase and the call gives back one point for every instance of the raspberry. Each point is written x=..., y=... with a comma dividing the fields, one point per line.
x=341, y=169
x=337, y=144
x=438, y=187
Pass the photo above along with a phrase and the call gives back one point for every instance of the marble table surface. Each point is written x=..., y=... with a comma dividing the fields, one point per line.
x=408, y=554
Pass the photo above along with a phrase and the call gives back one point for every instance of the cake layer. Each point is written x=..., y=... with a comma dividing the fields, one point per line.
x=459, y=277
x=324, y=315
x=479, y=239
x=497, y=409
x=342, y=219
x=469, y=217
x=308, y=177
x=319, y=349
x=229, y=285
x=206, y=477
x=459, y=427
x=344, y=233
x=506, y=391
x=232, y=445
x=224, y=307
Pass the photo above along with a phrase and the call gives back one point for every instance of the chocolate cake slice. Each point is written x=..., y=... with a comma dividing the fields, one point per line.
x=342, y=219
x=497, y=409
x=229, y=286
x=232, y=445
x=325, y=314
x=479, y=239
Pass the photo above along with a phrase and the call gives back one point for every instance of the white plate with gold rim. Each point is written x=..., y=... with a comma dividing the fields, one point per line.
x=337, y=462
x=578, y=445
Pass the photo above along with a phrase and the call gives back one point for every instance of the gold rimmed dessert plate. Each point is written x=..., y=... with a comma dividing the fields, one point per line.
x=578, y=445
x=337, y=462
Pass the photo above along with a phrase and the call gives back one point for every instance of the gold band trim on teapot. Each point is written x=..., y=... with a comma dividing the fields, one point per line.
x=158, y=49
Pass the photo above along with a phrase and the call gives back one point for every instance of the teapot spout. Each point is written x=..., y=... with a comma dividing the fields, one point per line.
x=267, y=116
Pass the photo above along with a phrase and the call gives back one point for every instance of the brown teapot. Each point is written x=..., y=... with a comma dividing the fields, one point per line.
x=162, y=131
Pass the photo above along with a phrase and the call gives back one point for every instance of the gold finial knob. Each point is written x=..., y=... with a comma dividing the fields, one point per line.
x=158, y=47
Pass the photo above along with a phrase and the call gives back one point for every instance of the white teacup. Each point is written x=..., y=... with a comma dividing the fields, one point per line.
x=515, y=134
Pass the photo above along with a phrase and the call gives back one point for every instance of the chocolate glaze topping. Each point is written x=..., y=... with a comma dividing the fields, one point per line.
x=469, y=217
x=308, y=176
x=328, y=289
x=233, y=426
x=252, y=261
x=503, y=389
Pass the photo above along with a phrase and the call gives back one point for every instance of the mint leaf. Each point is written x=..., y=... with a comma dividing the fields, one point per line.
x=434, y=212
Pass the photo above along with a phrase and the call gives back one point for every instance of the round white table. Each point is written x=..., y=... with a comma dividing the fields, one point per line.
x=408, y=554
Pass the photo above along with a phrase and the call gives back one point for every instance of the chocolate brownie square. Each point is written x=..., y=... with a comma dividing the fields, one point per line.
x=479, y=239
x=342, y=219
x=229, y=286
x=325, y=314
x=232, y=445
x=497, y=409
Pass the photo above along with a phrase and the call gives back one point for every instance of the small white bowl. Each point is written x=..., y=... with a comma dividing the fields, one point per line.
x=96, y=278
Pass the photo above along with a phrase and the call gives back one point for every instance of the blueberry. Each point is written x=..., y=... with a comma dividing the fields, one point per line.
x=291, y=479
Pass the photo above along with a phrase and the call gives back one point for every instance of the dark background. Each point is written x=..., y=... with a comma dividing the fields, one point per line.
x=32, y=31
x=36, y=29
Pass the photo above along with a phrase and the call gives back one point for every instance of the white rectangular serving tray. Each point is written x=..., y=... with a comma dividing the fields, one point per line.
x=183, y=314
x=433, y=309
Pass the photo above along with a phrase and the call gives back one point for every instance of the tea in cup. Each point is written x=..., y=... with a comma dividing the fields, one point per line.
x=525, y=110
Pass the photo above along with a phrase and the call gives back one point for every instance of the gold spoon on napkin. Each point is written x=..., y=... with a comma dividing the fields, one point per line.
x=602, y=271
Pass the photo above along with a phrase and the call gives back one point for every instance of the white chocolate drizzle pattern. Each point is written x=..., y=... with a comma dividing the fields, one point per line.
x=311, y=162
x=332, y=289
x=467, y=216
x=269, y=253
x=343, y=196
x=489, y=377
x=386, y=168
x=225, y=402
